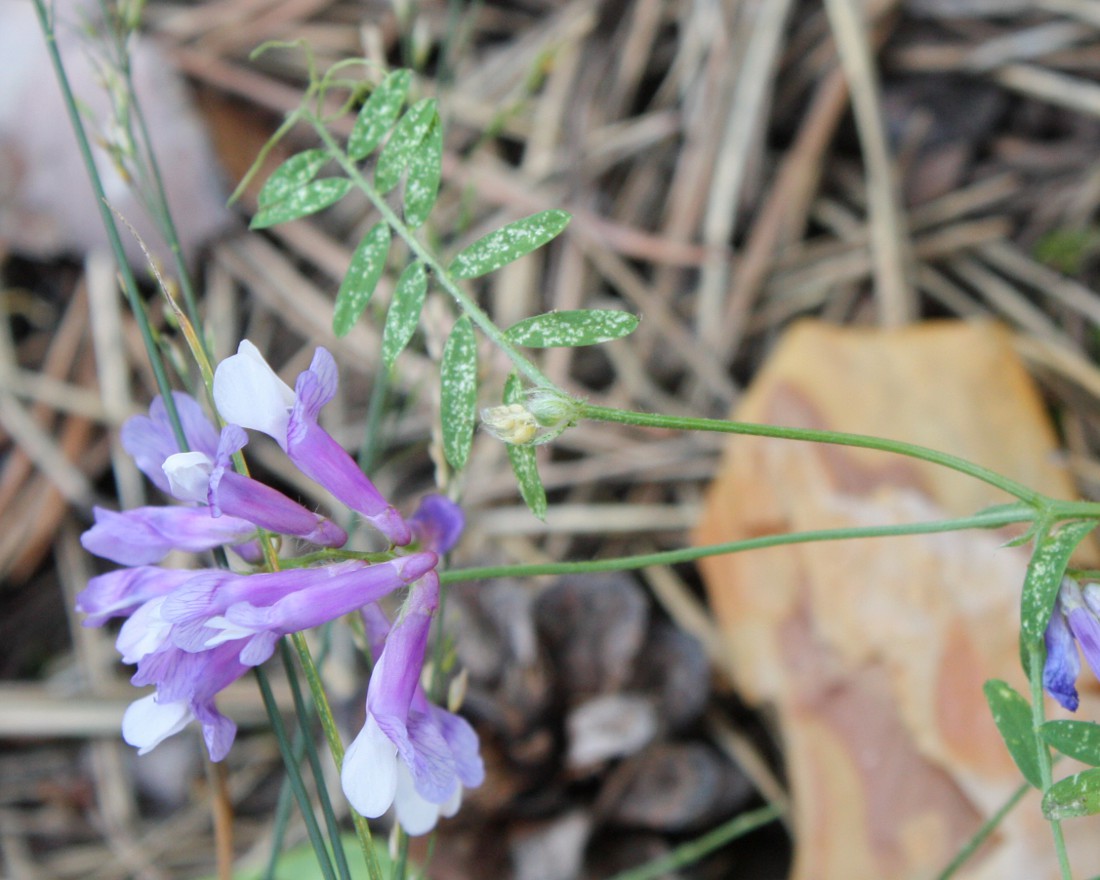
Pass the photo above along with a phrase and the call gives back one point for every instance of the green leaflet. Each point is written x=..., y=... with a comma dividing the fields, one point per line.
x=404, y=313
x=378, y=114
x=291, y=175
x=362, y=278
x=1044, y=577
x=524, y=463
x=1074, y=796
x=510, y=243
x=1075, y=739
x=1012, y=715
x=572, y=328
x=399, y=149
x=458, y=392
x=309, y=199
x=425, y=172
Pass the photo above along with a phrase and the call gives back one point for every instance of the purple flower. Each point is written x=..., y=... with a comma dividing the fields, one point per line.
x=150, y=439
x=119, y=593
x=203, y=633
x=186, y=687
x=147, y=534
x=247, y=392
x=1074, y=622
x=410, y=754
x=437, y=523
x=204, y=475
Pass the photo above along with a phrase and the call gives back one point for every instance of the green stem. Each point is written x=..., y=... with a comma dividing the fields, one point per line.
x=302, y=711
x=1037, y=658
x=989, y=519
x=983, y=833
x=693, y=851
x=129, y=283
x=335, y=744
x=863, y=441
x=294, y=775
x=443, y=277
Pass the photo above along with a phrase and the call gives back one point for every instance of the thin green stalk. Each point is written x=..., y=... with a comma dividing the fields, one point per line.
x=302, y=711
x=282, y=812
x=443, y=277
x=863, y=441
x=989, y=519
x=294, y=775
x=129, y=283
x=335, y=744
x=1037, y=658
x=693, y=851
x=983, y=833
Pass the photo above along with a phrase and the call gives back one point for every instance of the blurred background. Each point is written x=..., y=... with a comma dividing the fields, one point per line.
x=886, y=170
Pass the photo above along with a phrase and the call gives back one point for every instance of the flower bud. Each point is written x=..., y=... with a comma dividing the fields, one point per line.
x=513, y=423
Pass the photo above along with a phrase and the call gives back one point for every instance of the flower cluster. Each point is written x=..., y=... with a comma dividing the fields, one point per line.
x=1075, y=620
x=193, y=632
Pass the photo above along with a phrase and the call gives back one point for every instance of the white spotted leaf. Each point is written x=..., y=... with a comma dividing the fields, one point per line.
x=572, y=328
x=1079, y=740
x=524, y=463
x=458, y=392
x=399, y=149
x=291, y=176
x=362, y=278
x=378, y=114
x=509, y=243
x=309, y=199
x=1073, y=797
x=1044, y=576
x=1012, y=715
x=404, y=313
x=425, y=172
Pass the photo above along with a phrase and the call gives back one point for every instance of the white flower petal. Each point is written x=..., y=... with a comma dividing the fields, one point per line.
x=144, y=632
x=416, y=815
x=188, y=475
x=148, y=723
x=369, y=775
x=449, y=808
x=247, y=392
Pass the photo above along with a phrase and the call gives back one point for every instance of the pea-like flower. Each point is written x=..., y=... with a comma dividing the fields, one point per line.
x=410, y=754
x=1075, y=621
x=224, y=507
x=191, y=633
x=248, y=393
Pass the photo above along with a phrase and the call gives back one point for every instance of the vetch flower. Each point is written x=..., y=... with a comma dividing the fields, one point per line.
x=437, y=523
x=192, y=633
x=1075, y=621
x=206, y=631
x=186, y=687
x=203, y=477
x=145, y=535
x=204, y=474
x=248, y=393
x=410, y=754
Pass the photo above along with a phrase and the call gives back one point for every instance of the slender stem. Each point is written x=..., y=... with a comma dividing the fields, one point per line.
x=989, y=519
x=1037, y=656
x=294, y=774
x=302, y=711
x=129, y=283
x=983, y=833
x=335, y=744
x=692, y=851
x=863, y=441
x=443, y=277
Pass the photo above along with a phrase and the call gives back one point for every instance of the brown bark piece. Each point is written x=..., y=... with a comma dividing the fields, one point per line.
x=873, y=652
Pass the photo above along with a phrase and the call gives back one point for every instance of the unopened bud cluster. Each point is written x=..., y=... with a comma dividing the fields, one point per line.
x=544, y=415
